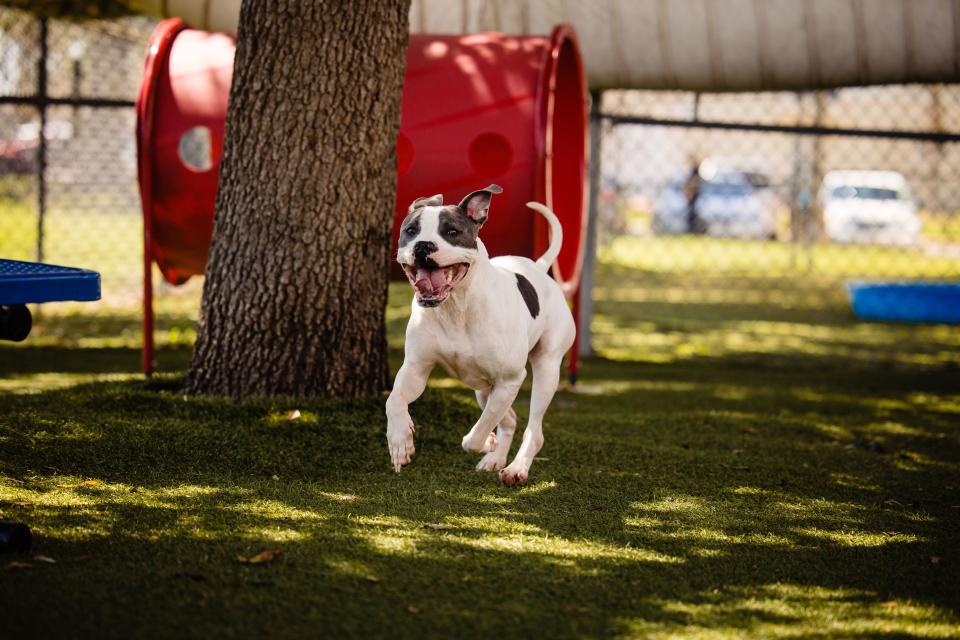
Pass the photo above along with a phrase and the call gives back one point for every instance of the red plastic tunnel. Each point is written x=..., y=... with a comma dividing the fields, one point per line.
x=476, y=109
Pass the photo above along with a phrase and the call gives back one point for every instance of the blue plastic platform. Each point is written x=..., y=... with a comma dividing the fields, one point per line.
x=30, y=282
x=931, y=302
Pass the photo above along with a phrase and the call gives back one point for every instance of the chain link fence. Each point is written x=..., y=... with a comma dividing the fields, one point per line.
x=726, y=222
x=736, y=221
x=70, y=196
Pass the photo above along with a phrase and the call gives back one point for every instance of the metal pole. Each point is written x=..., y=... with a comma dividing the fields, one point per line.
x=590, y=248
x=815, y=230
x=42, y=143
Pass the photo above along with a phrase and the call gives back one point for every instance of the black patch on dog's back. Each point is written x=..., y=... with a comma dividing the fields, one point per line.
x=456, y=228
x=529, y=295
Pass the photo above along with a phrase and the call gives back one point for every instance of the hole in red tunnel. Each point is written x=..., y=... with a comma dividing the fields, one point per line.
x=490, y=155
x=195, y=148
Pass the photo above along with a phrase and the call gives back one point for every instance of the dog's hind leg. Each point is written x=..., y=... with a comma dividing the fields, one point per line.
x=496, y=407
x=498, y=446
x=546, y=377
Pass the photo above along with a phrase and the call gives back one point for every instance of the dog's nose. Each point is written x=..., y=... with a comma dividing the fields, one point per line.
x=423, y=249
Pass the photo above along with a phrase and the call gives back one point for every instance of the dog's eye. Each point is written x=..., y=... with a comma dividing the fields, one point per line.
x=452, y=232
x=410, y=231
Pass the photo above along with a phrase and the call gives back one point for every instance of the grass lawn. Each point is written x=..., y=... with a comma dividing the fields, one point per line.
x=742, y=461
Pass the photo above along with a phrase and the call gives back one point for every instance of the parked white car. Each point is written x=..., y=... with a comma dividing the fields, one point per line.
x=731, y=204
x=869, y=207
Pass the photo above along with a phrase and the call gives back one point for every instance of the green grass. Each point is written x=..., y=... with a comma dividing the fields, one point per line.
x=941, y=226
x=744, y=461
x=670, y=299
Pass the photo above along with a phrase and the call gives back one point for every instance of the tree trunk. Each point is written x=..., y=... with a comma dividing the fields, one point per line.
x=296, y=281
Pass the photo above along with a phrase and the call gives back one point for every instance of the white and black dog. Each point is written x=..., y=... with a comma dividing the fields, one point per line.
x=480, y=319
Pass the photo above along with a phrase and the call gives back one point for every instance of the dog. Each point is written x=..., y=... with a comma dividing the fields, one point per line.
x=481, y=319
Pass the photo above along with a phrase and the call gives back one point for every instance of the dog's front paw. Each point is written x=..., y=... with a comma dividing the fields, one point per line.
x=400, y=443
x=513, y=475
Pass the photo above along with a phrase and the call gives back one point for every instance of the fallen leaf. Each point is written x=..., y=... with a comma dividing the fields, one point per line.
x=936, y=560
x=274, y=477
x=412, y=609
x=890, y=534
x=347, y=497
x=889, y=603
x=92, y=483
x=439, y=527
x=293, y=415
x=267, y=555
x=748, y=430
x=373, y=579
x=46, y=559
x=737, y=452
x=573, y=609
x=16, y=564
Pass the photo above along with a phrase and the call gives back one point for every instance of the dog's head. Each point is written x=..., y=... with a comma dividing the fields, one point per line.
x=438, y=244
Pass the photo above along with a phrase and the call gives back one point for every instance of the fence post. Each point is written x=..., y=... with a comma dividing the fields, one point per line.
x=42, y=133
x=590, y=249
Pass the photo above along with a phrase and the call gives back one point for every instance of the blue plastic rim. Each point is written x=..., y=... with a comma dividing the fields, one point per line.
x=924, y=302
x=32, y=282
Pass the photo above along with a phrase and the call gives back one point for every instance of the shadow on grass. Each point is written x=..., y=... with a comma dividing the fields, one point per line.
x=670, y=499
x=27, y=360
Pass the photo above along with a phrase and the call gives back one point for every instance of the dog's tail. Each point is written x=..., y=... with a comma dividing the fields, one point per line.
x=556, y=236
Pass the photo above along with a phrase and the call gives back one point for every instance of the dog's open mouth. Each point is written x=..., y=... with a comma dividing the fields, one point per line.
x=434, y=285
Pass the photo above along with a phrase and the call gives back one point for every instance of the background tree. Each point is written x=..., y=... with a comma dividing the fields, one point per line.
x=296, y=282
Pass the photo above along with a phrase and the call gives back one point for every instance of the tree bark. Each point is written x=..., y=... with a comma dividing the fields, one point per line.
x=296, y=281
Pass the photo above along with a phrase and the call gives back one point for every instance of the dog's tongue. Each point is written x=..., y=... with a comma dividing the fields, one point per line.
x=429, y=281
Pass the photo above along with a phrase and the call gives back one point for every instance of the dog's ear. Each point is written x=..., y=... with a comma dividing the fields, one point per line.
x=432, y=201
x=477, y=203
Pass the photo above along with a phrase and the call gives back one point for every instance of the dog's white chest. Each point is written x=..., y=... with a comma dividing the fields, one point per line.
x=474, y=362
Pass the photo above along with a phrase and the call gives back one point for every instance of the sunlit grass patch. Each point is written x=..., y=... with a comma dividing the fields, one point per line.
x=673, y=299
x=792, y=611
